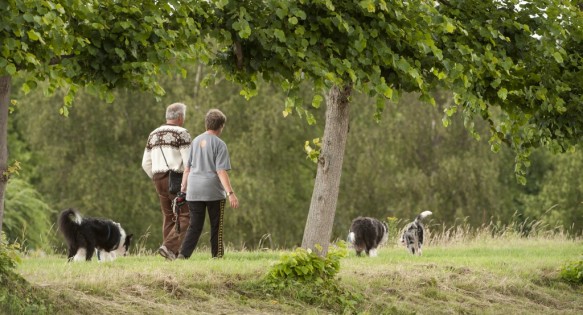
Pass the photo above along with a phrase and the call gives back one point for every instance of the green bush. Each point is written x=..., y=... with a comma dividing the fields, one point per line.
x=305, y=265
x=305, y=276
x=9, y=257
x=573, y=272
x=17, y=296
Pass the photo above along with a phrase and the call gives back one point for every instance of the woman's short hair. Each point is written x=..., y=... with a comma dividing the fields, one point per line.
x=214, y=119
x=175, y=111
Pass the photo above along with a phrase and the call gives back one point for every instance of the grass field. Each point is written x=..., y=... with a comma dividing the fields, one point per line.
x=488, y=276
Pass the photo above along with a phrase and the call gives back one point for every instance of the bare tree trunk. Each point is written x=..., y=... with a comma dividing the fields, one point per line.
x=325, y=195
x=197, y=79
x=5, y=82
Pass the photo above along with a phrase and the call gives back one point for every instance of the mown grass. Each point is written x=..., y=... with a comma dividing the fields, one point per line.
x=496, y=277
x=503, y=275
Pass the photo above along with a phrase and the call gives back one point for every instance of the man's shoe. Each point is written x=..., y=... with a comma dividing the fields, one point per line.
x=164, y=252
x=180, y=256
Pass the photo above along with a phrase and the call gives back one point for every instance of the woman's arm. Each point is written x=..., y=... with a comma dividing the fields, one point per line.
x=224, y=177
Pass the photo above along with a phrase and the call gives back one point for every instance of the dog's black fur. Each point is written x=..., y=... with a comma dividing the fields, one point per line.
x=366, y=234
x=413, y=234
x=85, y=235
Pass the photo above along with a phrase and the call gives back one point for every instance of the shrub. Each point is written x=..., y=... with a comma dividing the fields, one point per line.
x=305, y=265
x=305, y=276
x=17, y=296
x=9, y=256
x=573, y=272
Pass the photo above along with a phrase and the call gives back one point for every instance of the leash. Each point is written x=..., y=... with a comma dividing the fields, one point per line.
x=177, y=204
x=176, y=211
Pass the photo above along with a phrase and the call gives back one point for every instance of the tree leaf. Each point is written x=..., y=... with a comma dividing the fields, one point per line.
x=502, y=93
x=11, y=69
x=33, y=35
x=317, y=100
x=450, y=28
x=280, y=35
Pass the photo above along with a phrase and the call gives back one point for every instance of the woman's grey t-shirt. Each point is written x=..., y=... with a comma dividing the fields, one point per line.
x=208, y=154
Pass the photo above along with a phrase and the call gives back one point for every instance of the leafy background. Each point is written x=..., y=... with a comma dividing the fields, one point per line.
x=406, y=163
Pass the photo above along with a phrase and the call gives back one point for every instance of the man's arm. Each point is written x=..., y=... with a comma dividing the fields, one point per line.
x=147, y=163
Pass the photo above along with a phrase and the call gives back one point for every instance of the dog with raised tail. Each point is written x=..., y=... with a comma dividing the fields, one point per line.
x=413, y=233
x=367, y=234
x=85, y=235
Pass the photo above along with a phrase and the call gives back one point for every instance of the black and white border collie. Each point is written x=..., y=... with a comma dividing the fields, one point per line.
x=412, y=236
x=366, y=234
x=85, y=235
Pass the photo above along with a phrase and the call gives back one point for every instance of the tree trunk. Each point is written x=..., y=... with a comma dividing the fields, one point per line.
x=4, y=103
x=325, y=195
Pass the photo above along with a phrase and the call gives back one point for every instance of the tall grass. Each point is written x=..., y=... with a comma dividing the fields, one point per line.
x=464, y=233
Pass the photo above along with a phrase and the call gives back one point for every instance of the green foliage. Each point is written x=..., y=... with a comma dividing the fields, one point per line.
x=330, y=295
x=11, y=170
x=304, y=265
x=305, y=276
x=503, y=75
x=17, y=296
x=9, y=257
x=313, y=152
x=388, y=170
x=514, y=68
x=28, y=217
x=101, y=44
x=573, y=272
x=558, y=198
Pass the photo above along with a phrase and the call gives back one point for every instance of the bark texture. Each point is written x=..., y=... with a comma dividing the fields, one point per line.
x=320, y=220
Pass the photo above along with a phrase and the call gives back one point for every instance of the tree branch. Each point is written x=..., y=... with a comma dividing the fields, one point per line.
x=238, y=54
x=57, y=60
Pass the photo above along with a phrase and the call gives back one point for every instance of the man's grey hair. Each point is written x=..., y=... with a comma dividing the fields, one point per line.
x=175, y=111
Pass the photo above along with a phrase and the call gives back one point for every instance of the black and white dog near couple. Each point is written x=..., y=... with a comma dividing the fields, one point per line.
x=367, y=234
x=85, y=235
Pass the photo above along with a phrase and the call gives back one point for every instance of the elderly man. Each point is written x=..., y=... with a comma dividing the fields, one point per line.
x=167, y=149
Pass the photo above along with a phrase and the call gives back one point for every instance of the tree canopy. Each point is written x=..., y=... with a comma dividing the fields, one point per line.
x=102, y=44
x=515, y=64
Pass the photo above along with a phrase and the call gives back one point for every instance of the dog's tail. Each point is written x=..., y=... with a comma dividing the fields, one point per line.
x=350, y=237
x=69, y=221
x=423, y=215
